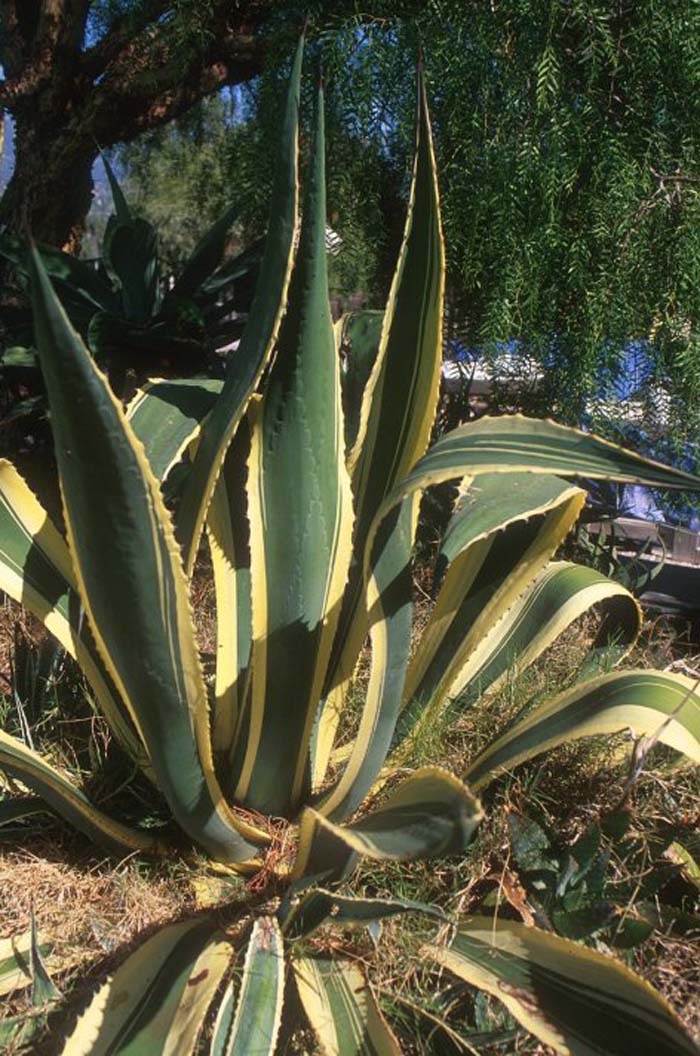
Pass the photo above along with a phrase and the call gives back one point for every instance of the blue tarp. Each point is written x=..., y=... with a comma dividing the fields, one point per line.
x=634, y=374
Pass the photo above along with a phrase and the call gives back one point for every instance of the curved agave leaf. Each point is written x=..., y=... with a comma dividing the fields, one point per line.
x=246, y=366
x=157, y=1000
x=651, y=703
x=561, y=593
x=167, y=415
x=206, y=256
x=389, y=603
x=517, y=444
x=502, y=535
x=213, y=296
x=479, y=625
x=229, y=544
x=300, y=535
x=358, y=336
x=258, y=1007
x=84, y=289
x=36, y=570
x=342, y=1009
x=67, y=800
x=131, y=580
x=318, y=906
x=430, y=814
x=491, y=502
x=572, y=998
x=514, y=443
x=399, y=400
x=15, y=962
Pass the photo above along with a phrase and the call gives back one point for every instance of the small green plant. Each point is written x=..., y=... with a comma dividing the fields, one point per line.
x=609, y=883
x=131, y=316
x=310, y=525
x=22, y=966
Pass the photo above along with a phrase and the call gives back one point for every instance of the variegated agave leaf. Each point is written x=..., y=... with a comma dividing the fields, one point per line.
x=307, y=475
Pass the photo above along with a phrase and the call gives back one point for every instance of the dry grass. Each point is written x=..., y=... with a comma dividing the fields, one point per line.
x=93, y=910
x=13, y=616
x=567, y=789
x=203, y=598
x=76, y=904
x=85, y=909
x=672, y=965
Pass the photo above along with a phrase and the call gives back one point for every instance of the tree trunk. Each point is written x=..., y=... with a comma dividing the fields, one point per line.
x=50, y=192
x=68, y=96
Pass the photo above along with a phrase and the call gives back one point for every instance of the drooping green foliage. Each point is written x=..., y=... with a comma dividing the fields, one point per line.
x=566, y=135
x=310, y=545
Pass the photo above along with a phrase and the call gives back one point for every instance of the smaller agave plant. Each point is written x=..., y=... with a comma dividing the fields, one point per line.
x=124, y=309
x=307, y=483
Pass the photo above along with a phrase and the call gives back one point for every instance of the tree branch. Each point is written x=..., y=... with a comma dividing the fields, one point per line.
x=120, y=116
x=121, y=33
x=146, y=85
x=40, y=41
x=16, y=89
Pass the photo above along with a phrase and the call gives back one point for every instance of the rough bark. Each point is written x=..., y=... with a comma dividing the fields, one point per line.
x=50, y=192
x=66, y=98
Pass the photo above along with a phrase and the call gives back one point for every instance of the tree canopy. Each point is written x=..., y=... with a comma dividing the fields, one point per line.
x=567, y=134
x=568, y=143
x=79, y=75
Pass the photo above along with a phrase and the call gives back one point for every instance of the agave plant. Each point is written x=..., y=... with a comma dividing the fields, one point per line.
x=309, y=495
x=129, y=315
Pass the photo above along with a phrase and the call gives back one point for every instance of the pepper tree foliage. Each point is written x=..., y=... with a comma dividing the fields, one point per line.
x=76, y=75
x=567, y=135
